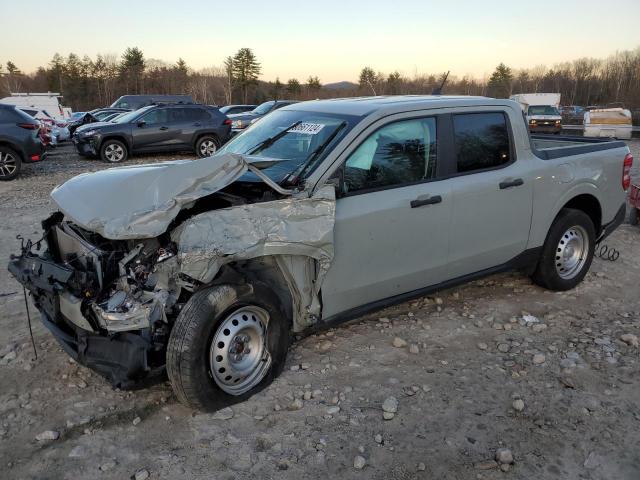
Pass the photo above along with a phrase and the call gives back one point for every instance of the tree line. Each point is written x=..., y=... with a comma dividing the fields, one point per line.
x=88, y=82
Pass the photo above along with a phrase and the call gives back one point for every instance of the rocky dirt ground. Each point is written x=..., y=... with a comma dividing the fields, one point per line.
x=547, y=383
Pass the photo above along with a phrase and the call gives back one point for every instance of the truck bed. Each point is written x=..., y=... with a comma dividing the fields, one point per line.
x=548, y=147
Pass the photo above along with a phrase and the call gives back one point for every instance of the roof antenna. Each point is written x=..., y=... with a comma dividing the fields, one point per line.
x=438, y=90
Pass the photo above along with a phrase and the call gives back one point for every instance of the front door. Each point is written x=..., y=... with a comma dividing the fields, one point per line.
x=153, y=130
x=392, y=219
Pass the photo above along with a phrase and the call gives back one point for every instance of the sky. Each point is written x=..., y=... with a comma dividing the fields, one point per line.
x=330, y=39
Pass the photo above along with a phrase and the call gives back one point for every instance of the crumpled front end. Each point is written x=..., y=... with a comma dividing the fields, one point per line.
x=108, y=303
x=131, y=245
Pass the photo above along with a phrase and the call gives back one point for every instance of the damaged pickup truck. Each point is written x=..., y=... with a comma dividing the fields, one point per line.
x=319, y=213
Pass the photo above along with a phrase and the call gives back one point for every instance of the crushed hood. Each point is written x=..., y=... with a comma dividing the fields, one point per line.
x=141, y=201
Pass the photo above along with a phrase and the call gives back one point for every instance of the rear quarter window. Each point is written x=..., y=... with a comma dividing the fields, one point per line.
x=481, y=141
x=7, y=116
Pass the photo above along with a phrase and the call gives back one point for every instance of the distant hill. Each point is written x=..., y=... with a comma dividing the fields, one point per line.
x=344, y=85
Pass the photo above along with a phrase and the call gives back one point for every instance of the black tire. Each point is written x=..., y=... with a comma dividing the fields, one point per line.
x=634, y=216
x=10, y=164
x=207, y=145
x=546, y=274
x=119, y=149
x=188, y=364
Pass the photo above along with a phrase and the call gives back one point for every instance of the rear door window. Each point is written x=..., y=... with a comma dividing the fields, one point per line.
x=8, y=115
x=397, y=154
x=196, y=114
x=481, y=141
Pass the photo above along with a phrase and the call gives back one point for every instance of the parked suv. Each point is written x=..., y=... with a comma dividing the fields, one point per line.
x=19, y=141
x=241, y=121
x=133, y=102
x=234, y=109
x=156, y=128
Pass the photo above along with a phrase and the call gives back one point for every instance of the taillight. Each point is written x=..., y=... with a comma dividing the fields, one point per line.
x=29, y=126
x=626, y=171
x=227, y=122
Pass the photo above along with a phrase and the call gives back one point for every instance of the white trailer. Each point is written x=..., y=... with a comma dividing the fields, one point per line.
x=608, y=123
x=49, y=102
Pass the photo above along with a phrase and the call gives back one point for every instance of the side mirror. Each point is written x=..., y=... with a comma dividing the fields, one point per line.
x=141, y=123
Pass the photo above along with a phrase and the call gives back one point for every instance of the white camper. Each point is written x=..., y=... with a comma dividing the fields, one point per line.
x=541, y=110
x=608, y=122
x=49, y=102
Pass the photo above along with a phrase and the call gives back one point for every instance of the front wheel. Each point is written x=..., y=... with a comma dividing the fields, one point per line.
x=567, y=252
x=113, y=151
x=229, y=342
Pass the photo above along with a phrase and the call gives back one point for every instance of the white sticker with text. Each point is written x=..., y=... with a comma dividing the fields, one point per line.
x=307, y=128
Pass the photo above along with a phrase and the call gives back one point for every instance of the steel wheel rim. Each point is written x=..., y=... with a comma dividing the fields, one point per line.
x=572, y=252
x=7, y=164
x=238, y=355
x=208, y=148
x=114, y=152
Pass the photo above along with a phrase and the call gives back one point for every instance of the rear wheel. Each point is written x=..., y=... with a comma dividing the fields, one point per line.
x=206, y=146
x=113, y=151
x=567, y=252
x=10, y=164
x=634, y=216
x=229, y=342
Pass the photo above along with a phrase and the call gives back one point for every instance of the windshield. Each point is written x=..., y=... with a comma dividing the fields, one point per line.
x=102, y=115
x=127, y=117
x=543, y=110
x=264, y=108
x=296, y=137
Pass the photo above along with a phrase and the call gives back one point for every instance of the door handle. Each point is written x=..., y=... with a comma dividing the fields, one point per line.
x=198, y=124
x=164, y=128
x=511, y=183
x=427, y=201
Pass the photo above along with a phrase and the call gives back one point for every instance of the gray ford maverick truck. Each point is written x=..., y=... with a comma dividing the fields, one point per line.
x=320, y=212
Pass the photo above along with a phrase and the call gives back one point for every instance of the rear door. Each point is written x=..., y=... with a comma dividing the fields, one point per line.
x=392, y=218
x=188, y=121
x=492, y=194
x=153, y=130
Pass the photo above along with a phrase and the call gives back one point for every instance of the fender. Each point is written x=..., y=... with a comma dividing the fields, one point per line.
x=542, y=226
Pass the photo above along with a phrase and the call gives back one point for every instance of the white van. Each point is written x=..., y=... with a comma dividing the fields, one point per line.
x=541, y=110
x=49, y=102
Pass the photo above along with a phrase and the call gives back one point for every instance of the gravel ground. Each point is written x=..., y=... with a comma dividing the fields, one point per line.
x=463, y=378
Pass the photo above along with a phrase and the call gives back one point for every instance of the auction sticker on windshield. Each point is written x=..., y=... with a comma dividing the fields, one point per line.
x=307, y=128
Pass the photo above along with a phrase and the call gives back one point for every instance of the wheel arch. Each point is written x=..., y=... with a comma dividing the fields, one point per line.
x=263, y=269
x=200, y=135
x=120, y=138
x=584, y=197
x=16, y=148
x=588, y=204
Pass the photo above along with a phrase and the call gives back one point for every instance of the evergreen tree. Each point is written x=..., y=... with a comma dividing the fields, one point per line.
x=501, y=82
x=293, y=87
x=368, y=79
x=245, y=70
x=132, y=69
